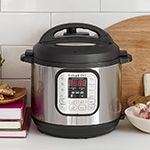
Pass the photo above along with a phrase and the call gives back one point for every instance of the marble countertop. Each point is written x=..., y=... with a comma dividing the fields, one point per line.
x=124, y=137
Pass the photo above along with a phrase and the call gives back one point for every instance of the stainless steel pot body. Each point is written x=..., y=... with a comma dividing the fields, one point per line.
x=44, y=97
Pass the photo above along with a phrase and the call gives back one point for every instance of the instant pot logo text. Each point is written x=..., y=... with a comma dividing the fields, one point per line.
x=77, y=75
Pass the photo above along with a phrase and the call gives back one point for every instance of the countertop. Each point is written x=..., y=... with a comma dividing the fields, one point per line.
x=125, y=137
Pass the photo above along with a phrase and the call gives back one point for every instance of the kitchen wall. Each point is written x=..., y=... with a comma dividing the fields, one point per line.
x=22, y=22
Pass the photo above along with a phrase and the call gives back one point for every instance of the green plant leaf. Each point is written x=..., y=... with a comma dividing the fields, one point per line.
x=1, y=60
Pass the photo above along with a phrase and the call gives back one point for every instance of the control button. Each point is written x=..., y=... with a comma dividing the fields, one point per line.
x=91, y=107
x=72, y=107
x=74, y=102
x=91, y=96
x=61, y=96
x=62, y=101
x=71, y=95
x=91, y=92
x=77, y=92
x=72, y=92
x=62, y=77
x=82, y=101
x=73, y=88
x=62, y=90
x=91, y=101
x=82, y=107
x=62, y=107
x=92, y=86
x=92, y=80
x=81, y=92
x=62, y=84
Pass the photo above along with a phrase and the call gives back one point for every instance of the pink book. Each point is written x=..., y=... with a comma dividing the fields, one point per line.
x=20, y=133
x=13, y=111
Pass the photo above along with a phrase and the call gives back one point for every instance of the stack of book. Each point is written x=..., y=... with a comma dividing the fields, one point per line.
x=15, y=119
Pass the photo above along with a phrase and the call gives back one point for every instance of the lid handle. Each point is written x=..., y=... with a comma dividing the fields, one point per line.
x=49, y=35
x=27, y=56
x=125, y=57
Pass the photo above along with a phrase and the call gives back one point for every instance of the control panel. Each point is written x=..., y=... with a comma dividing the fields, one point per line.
x=77, y=92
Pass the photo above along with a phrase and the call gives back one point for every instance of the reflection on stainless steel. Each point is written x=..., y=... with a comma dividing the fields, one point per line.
x=43, y=93
x=75, y=44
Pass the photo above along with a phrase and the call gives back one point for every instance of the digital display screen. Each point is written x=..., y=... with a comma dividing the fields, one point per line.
x=77, y=87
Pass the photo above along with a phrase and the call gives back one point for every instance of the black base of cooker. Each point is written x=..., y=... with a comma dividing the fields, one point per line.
x=75, y=131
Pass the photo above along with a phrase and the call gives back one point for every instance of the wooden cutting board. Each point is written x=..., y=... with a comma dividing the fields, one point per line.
x=133, y=35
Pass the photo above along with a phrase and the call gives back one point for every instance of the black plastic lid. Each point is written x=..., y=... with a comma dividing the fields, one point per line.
x=75, y=49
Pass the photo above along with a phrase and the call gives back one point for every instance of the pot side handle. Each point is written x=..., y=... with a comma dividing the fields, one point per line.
x=27, y=56
x=125, y=57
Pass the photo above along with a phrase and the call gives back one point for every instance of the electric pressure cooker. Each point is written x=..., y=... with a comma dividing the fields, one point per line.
x=76, y=81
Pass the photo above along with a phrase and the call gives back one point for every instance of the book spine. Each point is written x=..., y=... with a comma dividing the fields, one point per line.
x=20, y=112
x=23, y=108
x=19, y=133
